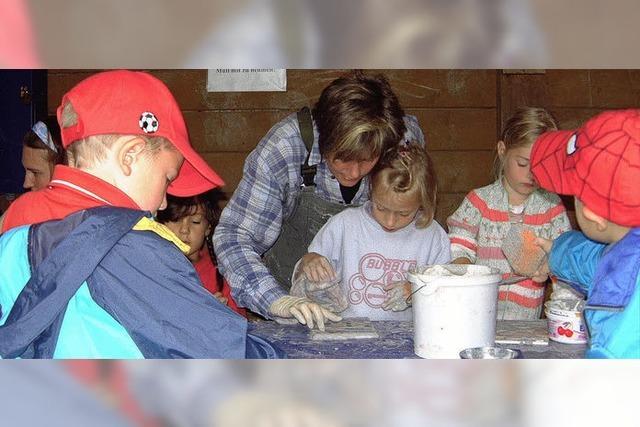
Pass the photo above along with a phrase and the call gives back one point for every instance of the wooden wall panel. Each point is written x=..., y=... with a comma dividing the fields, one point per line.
x=229, y=167
x=456, y=109
x=59, y=82
x=461, y=112
x=615, y=88
x=446, y=204
x=234, y=131
x=461, y=171
x=458, y=129
x=415, y=89
x=572, y=96
x=444, y=88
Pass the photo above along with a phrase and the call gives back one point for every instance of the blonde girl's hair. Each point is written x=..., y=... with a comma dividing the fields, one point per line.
x=90, y=151
x=522, y=129
x=409, y=170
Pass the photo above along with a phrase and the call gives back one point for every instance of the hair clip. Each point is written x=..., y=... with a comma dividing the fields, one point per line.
x=403, y=151
x=42, y=131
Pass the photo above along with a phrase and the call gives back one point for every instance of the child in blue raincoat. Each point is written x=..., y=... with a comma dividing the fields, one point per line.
x=85, y=272
x=599, y=165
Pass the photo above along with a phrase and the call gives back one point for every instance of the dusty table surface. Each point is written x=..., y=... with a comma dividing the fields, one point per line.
x=396, y=341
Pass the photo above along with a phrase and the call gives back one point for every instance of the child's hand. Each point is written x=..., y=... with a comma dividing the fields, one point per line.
x=539, y=276
x=397, y=294
x=545, y=244
x=542, y=273
x=220, y=297
x=317, y=268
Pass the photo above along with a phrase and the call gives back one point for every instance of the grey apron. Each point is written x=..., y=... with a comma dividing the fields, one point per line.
x=298, y=230
x=309, y=215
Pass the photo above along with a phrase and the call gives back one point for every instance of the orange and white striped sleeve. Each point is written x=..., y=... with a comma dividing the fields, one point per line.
x=463, y=227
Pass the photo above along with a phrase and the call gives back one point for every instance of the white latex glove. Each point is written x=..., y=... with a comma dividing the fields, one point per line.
x=304, y=310
x=397, y=294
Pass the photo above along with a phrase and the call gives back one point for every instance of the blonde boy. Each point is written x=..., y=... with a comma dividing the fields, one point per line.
x=107, y=281
x=125, y=129
x=599, y=164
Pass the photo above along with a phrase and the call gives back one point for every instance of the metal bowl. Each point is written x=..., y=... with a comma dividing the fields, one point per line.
x=490, y=353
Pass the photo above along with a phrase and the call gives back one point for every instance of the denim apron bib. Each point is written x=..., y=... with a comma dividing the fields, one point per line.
x=309, y=215
x=298, y=230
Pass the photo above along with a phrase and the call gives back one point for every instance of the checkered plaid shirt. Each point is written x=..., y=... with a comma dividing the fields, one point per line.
x=264, y=198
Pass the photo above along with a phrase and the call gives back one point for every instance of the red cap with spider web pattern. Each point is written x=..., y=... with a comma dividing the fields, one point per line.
x=598, y=163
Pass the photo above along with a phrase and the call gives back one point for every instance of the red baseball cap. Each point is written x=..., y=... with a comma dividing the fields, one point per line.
x=598, y=163
x=136, y=103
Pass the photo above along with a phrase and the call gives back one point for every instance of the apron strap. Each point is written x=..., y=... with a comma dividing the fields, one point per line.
x=306, y=131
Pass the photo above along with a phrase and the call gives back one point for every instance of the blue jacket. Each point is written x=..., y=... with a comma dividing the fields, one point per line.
x=610, y=277
x=89, y=286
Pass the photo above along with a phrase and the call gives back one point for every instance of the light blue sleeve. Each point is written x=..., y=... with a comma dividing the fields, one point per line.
x=574, y=258
x=14, y=268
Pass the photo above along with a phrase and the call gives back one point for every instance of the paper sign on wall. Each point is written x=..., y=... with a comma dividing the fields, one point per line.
x=247, y=80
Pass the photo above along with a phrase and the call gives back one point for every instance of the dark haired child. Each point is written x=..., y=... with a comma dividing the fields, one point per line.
x=599, y=164
x=193, y=220
x=41, y=151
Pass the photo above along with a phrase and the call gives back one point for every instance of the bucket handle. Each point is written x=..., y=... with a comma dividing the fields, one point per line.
x=511, y=280
x=408, y=299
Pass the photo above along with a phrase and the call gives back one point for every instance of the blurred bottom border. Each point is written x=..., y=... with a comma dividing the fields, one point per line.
x=319, y=392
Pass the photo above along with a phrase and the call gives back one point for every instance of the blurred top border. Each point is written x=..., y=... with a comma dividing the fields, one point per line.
x=509, y=34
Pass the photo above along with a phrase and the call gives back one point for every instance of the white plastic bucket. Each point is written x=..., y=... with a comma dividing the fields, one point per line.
x=452, y=311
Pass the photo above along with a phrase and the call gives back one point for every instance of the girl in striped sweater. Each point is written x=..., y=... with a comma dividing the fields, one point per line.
x=478, y=227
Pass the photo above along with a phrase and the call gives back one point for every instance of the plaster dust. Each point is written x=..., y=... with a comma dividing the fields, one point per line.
x=354, y=328
x=452, y=270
